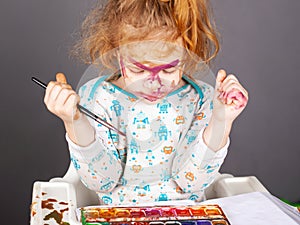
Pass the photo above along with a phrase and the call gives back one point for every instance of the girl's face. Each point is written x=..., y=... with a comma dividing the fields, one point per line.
x=151, y=70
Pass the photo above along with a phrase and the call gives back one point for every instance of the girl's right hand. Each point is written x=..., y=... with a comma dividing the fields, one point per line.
x=62, y=100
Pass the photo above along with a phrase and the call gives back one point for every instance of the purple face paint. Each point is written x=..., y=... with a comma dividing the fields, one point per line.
x=154, y=86
x=156, y=69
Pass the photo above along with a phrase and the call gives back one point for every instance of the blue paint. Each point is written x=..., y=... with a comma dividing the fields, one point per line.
x=191, y=222
x=204, y=222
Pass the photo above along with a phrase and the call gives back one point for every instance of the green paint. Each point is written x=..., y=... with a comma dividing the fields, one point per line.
x=297, y=204
x=57, y=217
x=65, y=223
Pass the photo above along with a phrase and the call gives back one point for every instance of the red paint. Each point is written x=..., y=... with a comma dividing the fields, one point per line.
x=183, y=212
x=167, y=212
x=198, y=212
x=153, y=212
x=140, y=223
x=64, y=210
x=47, y=205
x=63, y=203
x=137, y=213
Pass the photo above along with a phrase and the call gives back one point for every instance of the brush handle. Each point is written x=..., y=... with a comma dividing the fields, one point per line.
x=39, y=82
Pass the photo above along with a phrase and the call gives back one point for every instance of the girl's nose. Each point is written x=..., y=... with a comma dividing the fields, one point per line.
x=152, y=84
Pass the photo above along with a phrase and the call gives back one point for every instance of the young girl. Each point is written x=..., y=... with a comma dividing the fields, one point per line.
x=176, y=128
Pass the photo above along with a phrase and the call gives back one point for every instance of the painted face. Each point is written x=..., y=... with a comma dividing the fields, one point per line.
x=151, y=75
x=151, y=82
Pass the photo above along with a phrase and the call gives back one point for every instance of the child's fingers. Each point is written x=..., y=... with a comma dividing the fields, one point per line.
x=230, y=83
x=231, y=92
x=220, y=78
x=61, y=103
x=234, y=96
x=54, y=92
x=71, y=105
x=67, y=86
x=60, y=77
x=50, y=86
x=63, y=97
x=237, y=87
x=239, y=104
x=230, y=79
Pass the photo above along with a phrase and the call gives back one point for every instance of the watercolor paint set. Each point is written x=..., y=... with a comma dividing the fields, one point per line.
x=154, y=215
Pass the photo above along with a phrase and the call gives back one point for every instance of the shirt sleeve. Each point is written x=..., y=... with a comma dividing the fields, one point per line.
x=195, y=165
x=98, y=165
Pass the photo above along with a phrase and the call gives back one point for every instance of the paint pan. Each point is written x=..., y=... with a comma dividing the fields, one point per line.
x=155, y=215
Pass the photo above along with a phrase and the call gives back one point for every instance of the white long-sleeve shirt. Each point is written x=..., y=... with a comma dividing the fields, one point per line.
x=162, y=157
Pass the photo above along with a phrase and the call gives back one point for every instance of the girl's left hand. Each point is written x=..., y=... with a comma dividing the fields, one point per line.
x=230, y=98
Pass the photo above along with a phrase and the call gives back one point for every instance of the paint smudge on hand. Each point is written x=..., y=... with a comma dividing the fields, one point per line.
x=236, y=98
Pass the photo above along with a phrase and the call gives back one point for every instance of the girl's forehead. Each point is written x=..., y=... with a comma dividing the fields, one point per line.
x=156, y=52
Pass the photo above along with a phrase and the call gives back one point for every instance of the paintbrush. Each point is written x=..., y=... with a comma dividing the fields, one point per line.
x=84, y=110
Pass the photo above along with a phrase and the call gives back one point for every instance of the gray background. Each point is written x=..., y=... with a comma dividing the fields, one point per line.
x=259, y=44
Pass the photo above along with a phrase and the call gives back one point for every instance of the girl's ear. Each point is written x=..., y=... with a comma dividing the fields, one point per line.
x=119, y=57
x=117, y=53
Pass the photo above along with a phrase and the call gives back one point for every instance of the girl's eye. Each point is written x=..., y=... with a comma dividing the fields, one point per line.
x=136, y=70
x=170, y=70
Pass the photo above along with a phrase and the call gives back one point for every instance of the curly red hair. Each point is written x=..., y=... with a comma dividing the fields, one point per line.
x=124, y=21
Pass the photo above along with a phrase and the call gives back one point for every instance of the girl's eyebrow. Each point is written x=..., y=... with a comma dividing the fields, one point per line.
x=155, y=68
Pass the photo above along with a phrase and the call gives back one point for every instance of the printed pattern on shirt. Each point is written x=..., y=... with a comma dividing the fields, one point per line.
x=163, y=156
